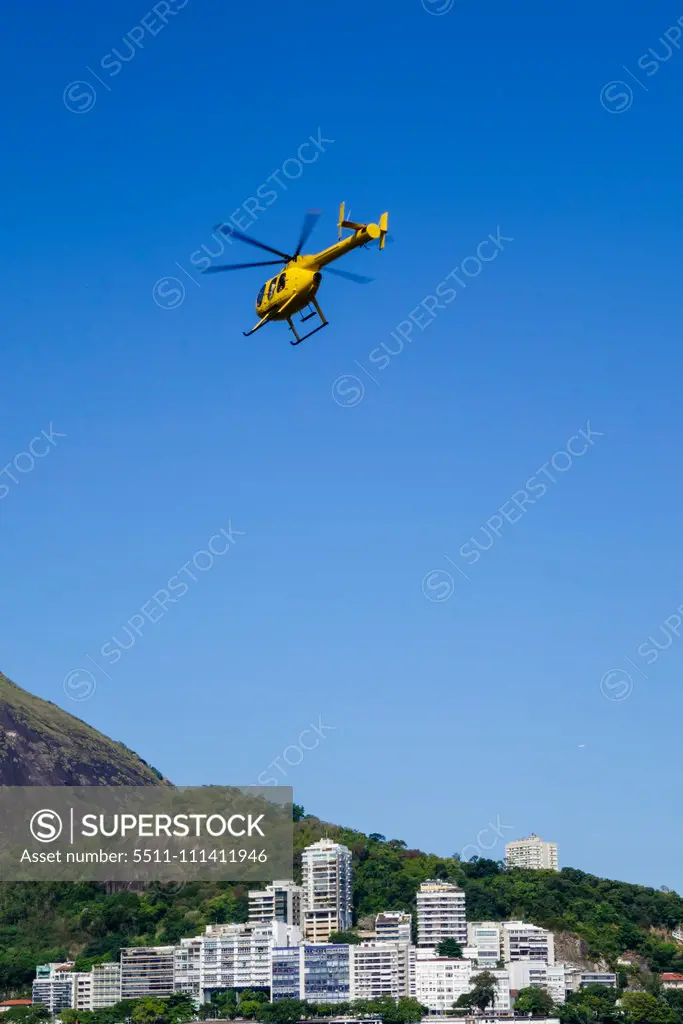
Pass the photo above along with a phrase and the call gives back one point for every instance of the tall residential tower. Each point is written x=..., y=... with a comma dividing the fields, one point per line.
x=440, y=913
x=279, y=901
x=531, y=853
x=326, y=877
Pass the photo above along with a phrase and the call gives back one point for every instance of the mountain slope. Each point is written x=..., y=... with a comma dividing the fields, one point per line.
x=41, y=745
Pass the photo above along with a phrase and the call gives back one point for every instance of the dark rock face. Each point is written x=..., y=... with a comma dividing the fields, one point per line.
x=41, y=745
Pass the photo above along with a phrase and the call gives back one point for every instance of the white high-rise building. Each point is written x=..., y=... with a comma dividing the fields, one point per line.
x=326, y=875
x=230, y=956
x=440, y=914
x=535, y=974
x=440, y=981
x=532, y=853
x=82, y=982
x=54, y=986
x=380, y=969
x=394, y=926
x=60, y=987
x=484, y=936
x=279, y=901
x=522, y=941
x=106, y=986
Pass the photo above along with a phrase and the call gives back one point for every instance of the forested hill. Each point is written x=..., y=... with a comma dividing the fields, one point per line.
x=41, y=922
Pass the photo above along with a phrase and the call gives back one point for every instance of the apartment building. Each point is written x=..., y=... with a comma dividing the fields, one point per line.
x=522, y=941
x=537, y=974
x=230, y=956
x=105, y=986
x=327, y=906
x=319, y=973
x=147, y=971
x=58, y=986
x=279, y=901
x=187, y=964
x=440, y=914
x=393, y=926
x=82, y=983
x=379, y=968
x=576, y=979
x=484, y=937
x=532, y=853
x=54, y=986
x=440, y=981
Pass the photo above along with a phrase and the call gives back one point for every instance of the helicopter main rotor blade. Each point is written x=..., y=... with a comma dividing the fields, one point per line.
x=358, y=278
x=310, y=221
x=240, y=266
x=230, y=232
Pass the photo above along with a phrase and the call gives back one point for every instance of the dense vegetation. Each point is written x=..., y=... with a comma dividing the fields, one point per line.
x=595, y=1005
x=40, y=922
x=178, y=1009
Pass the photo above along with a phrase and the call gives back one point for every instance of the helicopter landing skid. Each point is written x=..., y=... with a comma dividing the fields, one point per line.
x=316, y=311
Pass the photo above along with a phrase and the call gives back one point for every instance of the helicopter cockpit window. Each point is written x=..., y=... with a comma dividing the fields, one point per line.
x=259, y=297
x=281, y=282
x=271, y=288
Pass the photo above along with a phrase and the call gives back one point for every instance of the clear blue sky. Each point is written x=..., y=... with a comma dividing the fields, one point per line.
x=445, y=714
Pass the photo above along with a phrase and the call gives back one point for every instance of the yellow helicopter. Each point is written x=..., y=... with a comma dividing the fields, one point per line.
x=293, y=290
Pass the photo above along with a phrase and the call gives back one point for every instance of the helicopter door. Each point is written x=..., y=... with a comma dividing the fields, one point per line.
x=271, y=288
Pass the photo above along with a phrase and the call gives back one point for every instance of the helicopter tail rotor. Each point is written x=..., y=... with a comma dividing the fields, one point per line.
x=383, y=225
x=347, y=223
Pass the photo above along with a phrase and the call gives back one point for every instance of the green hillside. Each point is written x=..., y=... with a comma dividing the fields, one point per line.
x=40, y=921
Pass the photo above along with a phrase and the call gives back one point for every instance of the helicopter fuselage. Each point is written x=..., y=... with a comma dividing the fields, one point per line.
x=293, y=288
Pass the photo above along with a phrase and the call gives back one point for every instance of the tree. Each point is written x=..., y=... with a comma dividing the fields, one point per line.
x=253, y=995
x=298, y=812
x=150, y=1011
x=222, y=1005
x=284, y=1011
x=450, y=948
x=250, y=1008
x=411, y=1011
x=35, y=1014
x=643, y=1008
x=179, y=1009
x=345, y=938
x=483, y=990
x=391, y=1011
x=534, y=1000
x=593, y=1003
x=674, y=998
